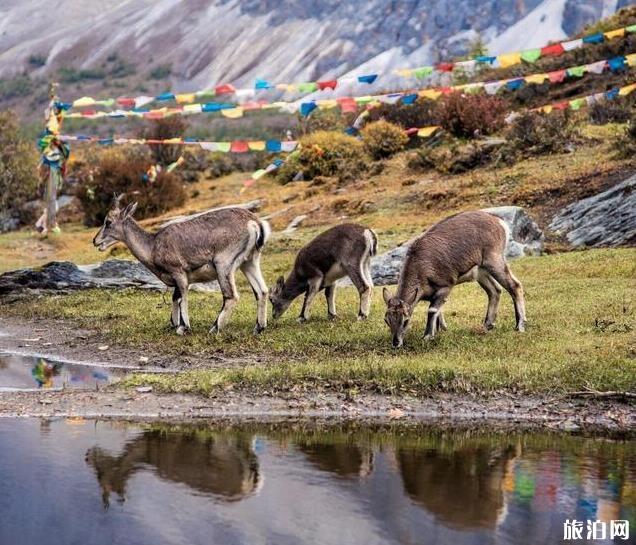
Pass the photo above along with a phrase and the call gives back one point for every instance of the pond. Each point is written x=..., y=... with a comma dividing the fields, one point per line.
x=73, y=481
x=24, y=373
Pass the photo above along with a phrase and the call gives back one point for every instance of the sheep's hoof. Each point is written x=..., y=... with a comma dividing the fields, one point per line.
x=258, y=329
x=362, y=317
x=183, y=330
x=429, y=337
x=301, y=319
x=214, y=330
x=332, y=317
x=521, y=327
x=488, y=326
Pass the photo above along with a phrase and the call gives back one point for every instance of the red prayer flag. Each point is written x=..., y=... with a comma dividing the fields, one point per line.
x=331, y=84
x=239, y=146
x=252, y=105
x=557, y=76
x=225, y=89
x=154, y=115
x=445, y=67
x=124, y=101
x=446, y=90
x=89, y=113
x=561, y=106
x=347, y=104
x=553, y=50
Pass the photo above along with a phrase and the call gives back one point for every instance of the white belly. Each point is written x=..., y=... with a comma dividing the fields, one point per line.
x=336, y=272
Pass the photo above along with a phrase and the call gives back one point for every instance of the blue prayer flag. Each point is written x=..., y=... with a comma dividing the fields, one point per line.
x=368, y=79
x=594, y=38
x=273, y=146
x=307, y=107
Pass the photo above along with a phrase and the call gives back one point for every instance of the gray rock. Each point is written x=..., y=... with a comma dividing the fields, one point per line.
x=111, y=274
x=525, y=239
x=605, y=219
x=294, y=224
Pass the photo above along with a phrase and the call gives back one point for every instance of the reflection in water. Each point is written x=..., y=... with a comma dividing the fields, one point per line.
x=463, y=488
x=222, y=465
x=19, y=372
x=191, y=485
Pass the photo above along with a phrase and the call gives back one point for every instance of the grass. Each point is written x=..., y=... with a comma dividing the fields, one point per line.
x=581, y=334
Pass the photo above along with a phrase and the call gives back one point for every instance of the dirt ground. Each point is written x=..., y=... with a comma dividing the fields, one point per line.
x=58, y=340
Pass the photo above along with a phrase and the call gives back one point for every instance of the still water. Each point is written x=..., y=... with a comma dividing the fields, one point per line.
x=19, y=372
x=102, y=482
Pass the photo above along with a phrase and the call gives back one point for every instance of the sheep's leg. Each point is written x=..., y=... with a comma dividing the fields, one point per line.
x=434, y=312
x=493, y=290
x=175, y=315
x=312, y=291
x=227, y=284
x=252, y=271
x=181, y=311
x=441, y=322
x=361, y=279
x=500, y=271
x=330, y=295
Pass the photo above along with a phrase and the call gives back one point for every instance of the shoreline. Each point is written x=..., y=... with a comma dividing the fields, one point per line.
x=61, y=341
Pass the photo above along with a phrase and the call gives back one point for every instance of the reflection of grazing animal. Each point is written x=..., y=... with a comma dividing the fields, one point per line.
x=344, y=250
x=209, y=246
x=223, y=466
x=461, y=248
x=463, y=490
x=345, y=460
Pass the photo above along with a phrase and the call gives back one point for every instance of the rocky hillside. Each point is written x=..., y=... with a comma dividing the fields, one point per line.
x=119, y=46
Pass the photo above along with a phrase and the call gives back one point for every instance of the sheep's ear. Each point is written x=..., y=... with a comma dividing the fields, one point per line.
x=117, y=200
x=386, y=295
x=130, y=210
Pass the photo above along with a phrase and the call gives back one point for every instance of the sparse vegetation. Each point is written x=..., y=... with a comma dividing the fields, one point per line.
x=73, y=75
x=16, y=87
x=121, y=171
x=383, y=139
x=163, y=129
x=162, y=71
x=37, y=60
x=471, y=115
x=536, y=133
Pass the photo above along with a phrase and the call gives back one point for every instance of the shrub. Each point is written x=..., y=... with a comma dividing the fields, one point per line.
x=325, y=120
x=538, y=133
x=626, y=145
x=120, y=171
x=18, y=170
x=471, y=115
x=421, y=114
x=454, y=159
x=162, y=129
x=609, y=111
x=383, y=139
x=16, y=87
x=161, y=72
x=72, y=75
x=37, y=60
x=326, y=153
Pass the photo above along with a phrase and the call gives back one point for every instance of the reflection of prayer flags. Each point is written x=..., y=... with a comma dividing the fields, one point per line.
x=553, y=50
x=423, y=71
x=524, y=485
x=368, y=79
x=257, y=145
x=593, y=38
x=619, y=33
x=509, y=59
x=557, y=76
x=307, y=107
x=273, y=146
x=425, y=132
x=331, y=84
x=531, y=55
x=577, y=71
x=233, y=113
x=589, y=506
x=617, y=64
x=572, y=44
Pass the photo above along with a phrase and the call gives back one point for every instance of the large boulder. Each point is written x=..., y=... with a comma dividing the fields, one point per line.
x=525, y=239
x=64, y=275
x=605, y=219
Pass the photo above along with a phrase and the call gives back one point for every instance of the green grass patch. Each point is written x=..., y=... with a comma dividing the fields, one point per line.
x=580, y=334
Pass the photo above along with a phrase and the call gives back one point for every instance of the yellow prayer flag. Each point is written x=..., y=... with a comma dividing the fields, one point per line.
x=233, y=113
x=425, y=132
x=256, y=145
x=404, y=72
x=432, y=94
x=624, y=91
x=546, y=109
x=173, y=141
x=84, y=101
x=614, y=33
x=327, y=104
x=509, y=59
x=192, y=108
x=536, y=78
x=631, y=59
x=185, y=99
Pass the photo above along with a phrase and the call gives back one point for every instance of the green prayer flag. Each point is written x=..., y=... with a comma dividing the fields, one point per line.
x=423, y=71
x=531, y=55
x=224, y=146
x=208, y=93
x=308, y=87
x=630, y=28
x=577, y=103
x=578, y=71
